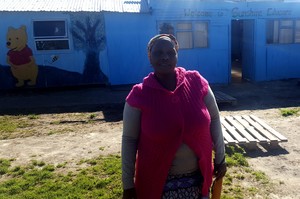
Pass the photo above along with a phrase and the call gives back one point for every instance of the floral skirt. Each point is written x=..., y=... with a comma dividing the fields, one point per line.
x=185, y=186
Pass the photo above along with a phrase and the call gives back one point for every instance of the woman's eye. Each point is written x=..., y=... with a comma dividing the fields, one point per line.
x=157, y=53
x=160, y=53
x=171, y=53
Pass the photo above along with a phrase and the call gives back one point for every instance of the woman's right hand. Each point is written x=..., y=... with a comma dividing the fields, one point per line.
x=129, y=194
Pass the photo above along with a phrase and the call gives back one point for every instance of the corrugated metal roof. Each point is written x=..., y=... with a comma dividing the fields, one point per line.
x=135, y=6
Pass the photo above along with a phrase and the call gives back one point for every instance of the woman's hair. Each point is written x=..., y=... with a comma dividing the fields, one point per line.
x=154, y=39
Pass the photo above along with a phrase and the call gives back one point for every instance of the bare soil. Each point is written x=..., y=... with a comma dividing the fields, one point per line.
x=70, y=136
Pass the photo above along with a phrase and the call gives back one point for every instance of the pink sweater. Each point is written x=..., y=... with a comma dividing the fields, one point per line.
x=168, y=119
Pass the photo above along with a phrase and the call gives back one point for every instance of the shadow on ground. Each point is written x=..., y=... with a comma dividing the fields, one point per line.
x=265, y=151
x=110, y=100
x=261, y=95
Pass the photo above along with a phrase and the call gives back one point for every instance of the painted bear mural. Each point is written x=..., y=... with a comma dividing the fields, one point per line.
x=20, y=57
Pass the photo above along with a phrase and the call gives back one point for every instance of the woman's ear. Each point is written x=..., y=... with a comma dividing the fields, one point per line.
x=149, y=57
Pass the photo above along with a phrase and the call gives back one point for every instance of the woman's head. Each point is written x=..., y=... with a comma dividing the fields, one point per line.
x=163, y=53
x=154, y=39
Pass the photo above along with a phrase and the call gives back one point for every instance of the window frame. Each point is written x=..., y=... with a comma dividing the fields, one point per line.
x=297, y=31
x=172, y=28
x=275, y=29
x=40, y=38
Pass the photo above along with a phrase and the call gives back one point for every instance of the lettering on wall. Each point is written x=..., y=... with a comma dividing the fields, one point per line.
x=276, y=12
x=238, y=13
x=245, y=13
x=197, y=13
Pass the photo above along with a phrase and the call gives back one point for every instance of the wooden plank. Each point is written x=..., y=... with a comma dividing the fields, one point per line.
x=241, y=129
x=222, y=97
x=233, y=132
x=228, y=139
x=251, y=129
x=260, y=129
x=271, y=130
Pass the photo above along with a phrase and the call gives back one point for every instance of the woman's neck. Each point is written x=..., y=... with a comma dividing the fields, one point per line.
x=168, y=81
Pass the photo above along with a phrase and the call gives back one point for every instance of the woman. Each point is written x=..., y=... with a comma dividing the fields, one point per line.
x=171, y=126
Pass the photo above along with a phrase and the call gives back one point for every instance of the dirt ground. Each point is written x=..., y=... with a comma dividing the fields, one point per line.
x=69, y=135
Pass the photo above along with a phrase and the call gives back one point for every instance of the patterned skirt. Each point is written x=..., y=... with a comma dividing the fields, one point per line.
x=185, y=186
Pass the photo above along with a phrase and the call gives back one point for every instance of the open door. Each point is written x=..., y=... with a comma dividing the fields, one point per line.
x=236, y=50
x=248, y=50
x=242, y=50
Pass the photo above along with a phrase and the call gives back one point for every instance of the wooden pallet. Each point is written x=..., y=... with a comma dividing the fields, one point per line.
x=249, y=130
x=224, y=98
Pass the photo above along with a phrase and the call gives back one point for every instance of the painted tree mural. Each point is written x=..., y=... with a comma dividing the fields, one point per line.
x=88, y=32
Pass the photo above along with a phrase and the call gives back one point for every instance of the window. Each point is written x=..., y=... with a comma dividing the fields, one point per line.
x=285, y=31
x=201, y=32
x=184, y=35
x=51, y=35
x=189, y=34
x=297, y=31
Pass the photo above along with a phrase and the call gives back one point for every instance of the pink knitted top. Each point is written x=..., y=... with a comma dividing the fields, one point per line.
x=169, y=118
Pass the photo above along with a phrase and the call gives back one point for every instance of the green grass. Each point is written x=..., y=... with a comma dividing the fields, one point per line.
x=100, y=178
x=289, y=111
x=239, y=172
x=10, y=124
x=16, y=126
x=33, y=117
x=4, y=166
x=7, y=124
x=92, y=116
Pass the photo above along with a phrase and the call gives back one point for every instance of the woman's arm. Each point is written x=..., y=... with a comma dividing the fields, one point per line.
x=131, y=130
x=217, y=134
x=215, y=126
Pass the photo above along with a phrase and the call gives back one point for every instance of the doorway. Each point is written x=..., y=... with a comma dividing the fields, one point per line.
x=236, y=50
x=242, y=50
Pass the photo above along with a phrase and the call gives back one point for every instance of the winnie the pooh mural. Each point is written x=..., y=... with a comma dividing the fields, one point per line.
x=20, y=57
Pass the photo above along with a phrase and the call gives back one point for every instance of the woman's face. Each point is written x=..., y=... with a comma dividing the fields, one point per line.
x=163, y=56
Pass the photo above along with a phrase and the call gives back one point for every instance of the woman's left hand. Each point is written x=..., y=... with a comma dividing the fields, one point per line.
x=220, y=170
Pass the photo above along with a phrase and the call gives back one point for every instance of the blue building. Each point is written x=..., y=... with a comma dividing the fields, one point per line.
x=51, y=43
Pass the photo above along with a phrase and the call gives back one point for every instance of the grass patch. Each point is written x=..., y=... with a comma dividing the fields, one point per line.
x=102, y=148
x=241, y=181
x=9, y=125
x=289, y=111
x=21, y=126
x=92, y=116
x=33, y=116
x=4, y=165
x=260, y=176
x=100, y=178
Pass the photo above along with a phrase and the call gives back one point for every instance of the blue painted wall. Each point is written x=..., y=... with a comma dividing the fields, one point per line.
x=85, y=62
x=127, y=38
x=212, y=62
x=122, y=56
x=269, y=61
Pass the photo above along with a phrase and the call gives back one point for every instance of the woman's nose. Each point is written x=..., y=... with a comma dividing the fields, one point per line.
x=165, y=56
